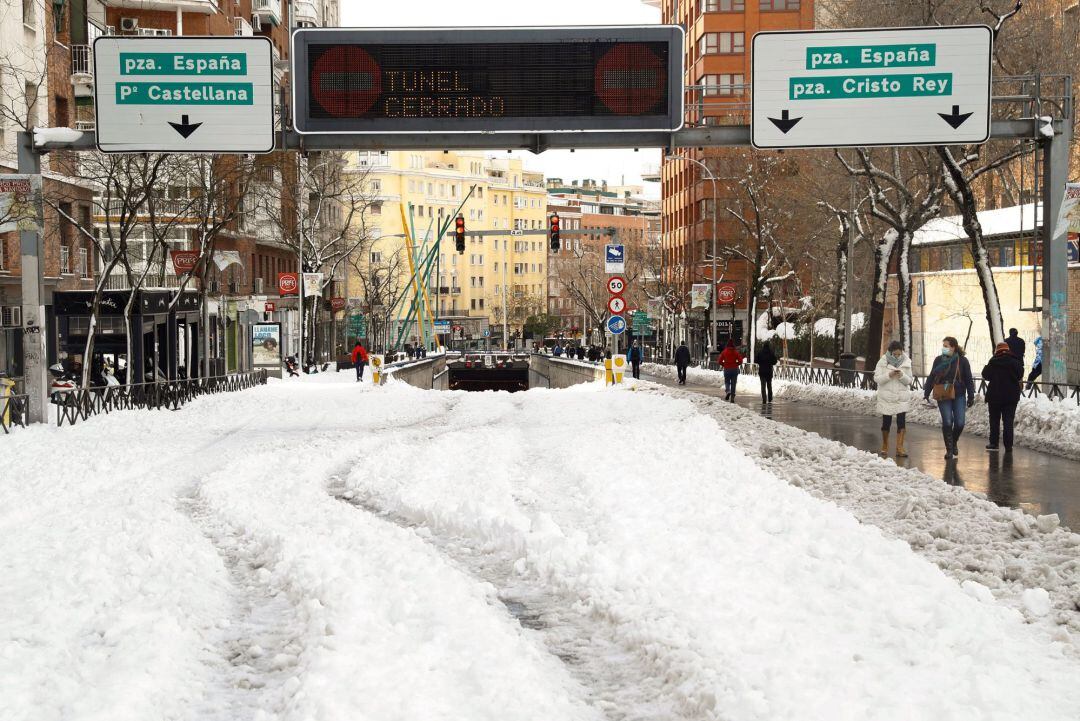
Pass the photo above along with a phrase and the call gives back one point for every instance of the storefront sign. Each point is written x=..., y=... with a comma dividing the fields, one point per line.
x=288, y=283
x=184, y=261
x=337, y=304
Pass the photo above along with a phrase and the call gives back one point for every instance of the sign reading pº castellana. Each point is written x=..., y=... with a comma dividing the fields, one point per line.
x=488, y=79
x=188, y=94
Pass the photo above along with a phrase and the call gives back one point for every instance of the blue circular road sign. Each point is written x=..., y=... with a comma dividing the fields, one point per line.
x=616, y=324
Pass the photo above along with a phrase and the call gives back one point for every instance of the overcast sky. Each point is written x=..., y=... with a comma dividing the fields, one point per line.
x=615, y=166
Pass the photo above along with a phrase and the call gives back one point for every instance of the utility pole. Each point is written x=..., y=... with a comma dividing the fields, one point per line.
x=849, y=266
x=32, y=271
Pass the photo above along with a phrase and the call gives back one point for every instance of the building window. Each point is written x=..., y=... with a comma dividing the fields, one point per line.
x=84, y=265
x=29, y=13
x=723, y=6
x=723, y=84
x=722, y=43
x=481, y=303
x=376, y=186
x=65, y=260
x=375, y=257
x=778, y=5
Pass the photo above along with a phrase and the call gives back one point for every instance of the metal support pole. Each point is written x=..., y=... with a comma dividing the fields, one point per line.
x=1055, y=279
x=35, y=360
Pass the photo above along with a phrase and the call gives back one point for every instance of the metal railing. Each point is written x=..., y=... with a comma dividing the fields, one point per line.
x=82, y=403
x=14, y=411
x=82, y=60
x=864, y=380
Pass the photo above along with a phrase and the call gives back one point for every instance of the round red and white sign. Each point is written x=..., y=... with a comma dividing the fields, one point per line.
x=616, y=284
x=288, y=283
x=616, y=304
x=725, y=293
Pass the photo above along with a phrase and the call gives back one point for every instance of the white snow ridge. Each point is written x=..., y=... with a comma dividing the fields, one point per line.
x=321, y=550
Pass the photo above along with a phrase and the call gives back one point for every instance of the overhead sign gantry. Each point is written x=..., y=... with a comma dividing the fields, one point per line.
x=898, y=86
x=488, y=80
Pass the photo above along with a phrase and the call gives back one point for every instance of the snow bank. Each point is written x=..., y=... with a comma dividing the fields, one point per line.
x=993, y=551
x=747, y=597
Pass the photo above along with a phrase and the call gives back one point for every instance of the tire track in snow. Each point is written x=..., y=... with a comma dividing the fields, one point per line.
x=618, y=678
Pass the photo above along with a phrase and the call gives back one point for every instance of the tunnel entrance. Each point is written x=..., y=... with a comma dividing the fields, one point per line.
x=488, y=372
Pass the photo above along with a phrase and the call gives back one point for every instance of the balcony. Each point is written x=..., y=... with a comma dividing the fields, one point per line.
x=267, y=11
x=82, y=71
x=242, y=28
x=189, y=6
x=177, y=211
x=305, y=11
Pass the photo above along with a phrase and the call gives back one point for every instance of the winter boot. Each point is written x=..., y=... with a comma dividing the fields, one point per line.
x=901, y=452
x=885, y=442
x=956, y=442
x=946, y=434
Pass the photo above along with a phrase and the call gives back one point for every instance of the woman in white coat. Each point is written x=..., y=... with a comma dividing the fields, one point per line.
x=893, y=377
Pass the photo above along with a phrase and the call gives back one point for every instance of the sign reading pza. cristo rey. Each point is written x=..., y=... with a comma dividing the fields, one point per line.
x=488, y=80
x=895, y=86
x=189, y=94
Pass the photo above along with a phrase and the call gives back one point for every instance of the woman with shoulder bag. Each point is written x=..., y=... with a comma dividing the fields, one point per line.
x=953, y=387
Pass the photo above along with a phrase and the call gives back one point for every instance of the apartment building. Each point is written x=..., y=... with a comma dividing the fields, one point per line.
x=605, y=214
x=499, y=280
x=36, y=90
x=717, y=77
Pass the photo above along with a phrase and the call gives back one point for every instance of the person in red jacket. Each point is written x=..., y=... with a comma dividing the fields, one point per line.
x=359, y=359
x=730, y=359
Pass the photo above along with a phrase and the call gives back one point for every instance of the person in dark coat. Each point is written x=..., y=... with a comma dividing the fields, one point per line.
x=1016, y=344
x=766, y=360
x=1004, y=375
x=633, y=357
x=682, y=361
x=953, y=372
x=581, y=352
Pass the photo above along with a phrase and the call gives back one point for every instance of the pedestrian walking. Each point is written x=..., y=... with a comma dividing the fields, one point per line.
x=893, y=377
x=1016, y=344
x=633, y=357
x=950, y=382
x=730, y=360
x=682, y=361
x=1004, y=376
x=557, y=351
x=1036, y=367
x=359, y=359
x=581, y=352
x=766, y=360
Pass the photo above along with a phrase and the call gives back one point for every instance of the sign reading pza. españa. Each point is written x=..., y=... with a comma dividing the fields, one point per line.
x=190, y=94
x=895, y=86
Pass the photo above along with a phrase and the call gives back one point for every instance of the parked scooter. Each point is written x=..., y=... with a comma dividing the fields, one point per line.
x=62, y=383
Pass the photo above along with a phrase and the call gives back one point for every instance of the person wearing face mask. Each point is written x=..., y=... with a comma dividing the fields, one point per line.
x=893, y=378
x=952, y=385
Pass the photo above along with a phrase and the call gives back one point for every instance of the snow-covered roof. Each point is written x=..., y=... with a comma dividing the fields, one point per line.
x=1000, y=221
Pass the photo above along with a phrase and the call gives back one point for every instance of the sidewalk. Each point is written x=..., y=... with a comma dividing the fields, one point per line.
x=1039, y=483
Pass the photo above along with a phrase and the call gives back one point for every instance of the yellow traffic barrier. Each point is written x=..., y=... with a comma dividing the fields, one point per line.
x=619, y=368
x=7, y=389
x=376, y=369
x=609, y=377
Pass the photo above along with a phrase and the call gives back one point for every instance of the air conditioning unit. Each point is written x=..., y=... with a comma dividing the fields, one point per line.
x=10, y=316
x=258, y=286
x=129, y=25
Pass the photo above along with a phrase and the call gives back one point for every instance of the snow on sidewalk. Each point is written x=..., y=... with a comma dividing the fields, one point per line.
x=746, y=596
x=1041, y=424
x=200, y=565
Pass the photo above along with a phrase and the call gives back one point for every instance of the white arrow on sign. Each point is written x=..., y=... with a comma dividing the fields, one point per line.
x=189, y=94
x=896, y=86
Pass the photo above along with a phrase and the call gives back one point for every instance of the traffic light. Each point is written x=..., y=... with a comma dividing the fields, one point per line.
x=553, y=232
x=459, y=233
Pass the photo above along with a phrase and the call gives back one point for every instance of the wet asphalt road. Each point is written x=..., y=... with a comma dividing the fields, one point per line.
x=1037, y=482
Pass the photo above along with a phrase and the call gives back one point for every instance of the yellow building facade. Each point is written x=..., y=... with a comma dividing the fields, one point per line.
x=497, y=277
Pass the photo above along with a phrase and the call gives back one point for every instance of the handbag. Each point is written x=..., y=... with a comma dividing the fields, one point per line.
x=947, y=391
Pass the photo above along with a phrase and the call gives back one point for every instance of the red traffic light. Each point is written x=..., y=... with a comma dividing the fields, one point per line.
x=459, y=233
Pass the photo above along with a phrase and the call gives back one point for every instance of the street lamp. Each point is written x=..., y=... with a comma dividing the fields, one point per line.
x=716, y=201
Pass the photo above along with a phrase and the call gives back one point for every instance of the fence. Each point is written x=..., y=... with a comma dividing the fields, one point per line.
x=14, y=411
x=83, y=403
x=864, y=380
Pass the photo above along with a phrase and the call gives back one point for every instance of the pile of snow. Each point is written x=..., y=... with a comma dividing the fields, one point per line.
x=284, y=553
x=1026, y=562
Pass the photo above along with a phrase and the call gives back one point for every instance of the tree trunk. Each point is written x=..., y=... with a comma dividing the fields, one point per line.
x=903, y=296
x=883, y=252
x=840, y=300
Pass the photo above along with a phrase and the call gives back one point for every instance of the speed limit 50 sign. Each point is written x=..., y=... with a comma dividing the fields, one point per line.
x=616, y=285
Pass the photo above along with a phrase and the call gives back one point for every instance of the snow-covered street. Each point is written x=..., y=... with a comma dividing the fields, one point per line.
x=322, y=550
